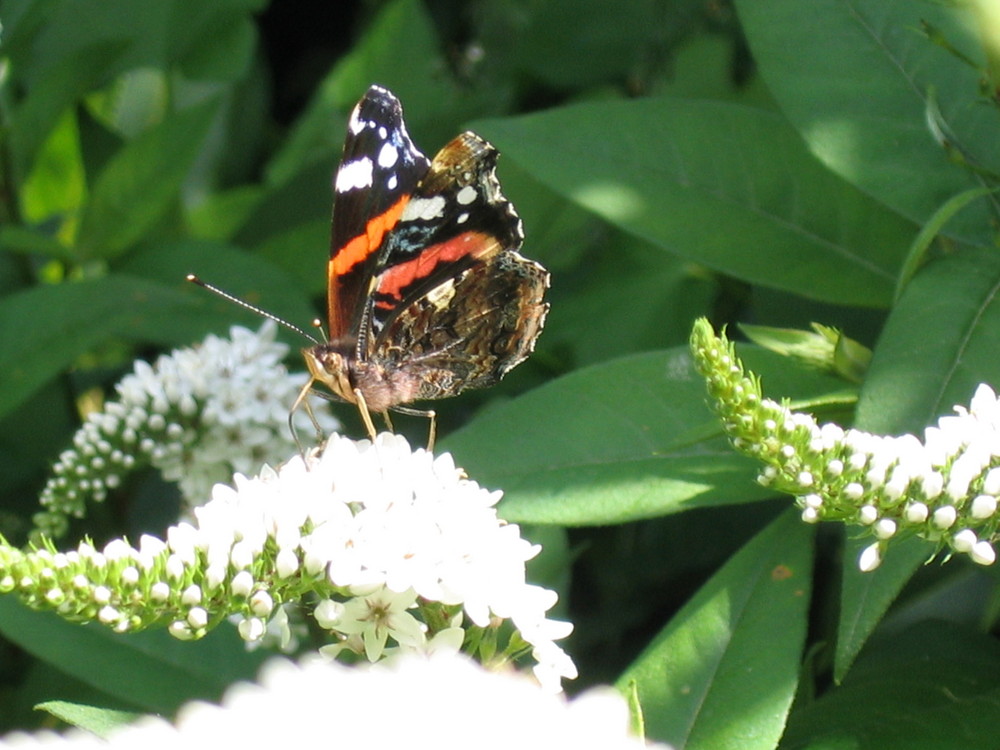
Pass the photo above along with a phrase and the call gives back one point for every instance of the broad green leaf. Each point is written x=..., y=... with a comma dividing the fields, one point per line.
x=84, y=44
x=723, y=673
x=45, y=328
x=141, y=181
x=702, y=67
x=866, y=597
x=857, y=77
x=939, y=343
x=149, y=670
x=99, y=721
x=645, y=298
x=936, y=685
x=727, y=186
x=27, y=436
x=155, y=33
x=615, y=442
x=556, y=232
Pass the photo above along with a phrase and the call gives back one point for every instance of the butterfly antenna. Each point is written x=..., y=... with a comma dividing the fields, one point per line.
x=247, y=306
x=317, y=323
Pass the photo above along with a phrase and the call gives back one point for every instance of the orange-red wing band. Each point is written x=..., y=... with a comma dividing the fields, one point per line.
x=359, y=249
x=395, y=280
x=352, y=256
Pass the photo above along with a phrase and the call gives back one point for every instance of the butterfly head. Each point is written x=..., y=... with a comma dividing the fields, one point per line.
x=330, y=367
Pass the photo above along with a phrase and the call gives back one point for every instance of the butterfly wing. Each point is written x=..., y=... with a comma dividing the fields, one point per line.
x=456, y=219
x=455, y=305
x=469, y=331
x=378, y=172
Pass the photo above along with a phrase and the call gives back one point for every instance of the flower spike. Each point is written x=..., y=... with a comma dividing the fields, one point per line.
x=943, y=488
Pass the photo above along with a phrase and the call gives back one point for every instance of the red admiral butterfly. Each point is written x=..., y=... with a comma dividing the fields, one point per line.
x=427, y=293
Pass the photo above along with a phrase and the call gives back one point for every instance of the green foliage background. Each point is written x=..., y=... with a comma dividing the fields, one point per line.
x=766, y=161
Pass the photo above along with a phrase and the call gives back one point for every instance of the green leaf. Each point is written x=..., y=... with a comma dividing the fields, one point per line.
x=615, y=442
x=141, y=181
x=940, y=342
x=572, y=44
x=45, y=328
x=300, y=252
x=17, y=239
x=67, y=80
x=824, y=347
x=99, y=721
x=221, y=214
x=855, y=78
x=56, y=184
x=866, y=597
x=149, y=670
x=929, y=232
x=645, y=298
x=618, y=441
x=936, y=685
x=727, y=186
x=245, y=275
x=214, y=41
x=724, y=671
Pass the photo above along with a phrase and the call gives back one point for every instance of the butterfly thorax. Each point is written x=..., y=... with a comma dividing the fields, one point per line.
x=336, y=366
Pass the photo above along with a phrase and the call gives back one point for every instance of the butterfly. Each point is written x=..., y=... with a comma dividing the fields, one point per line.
x=427, y=293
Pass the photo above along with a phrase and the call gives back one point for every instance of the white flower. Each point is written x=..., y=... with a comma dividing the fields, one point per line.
x=379, y=615
x=390, y=524
x=384, y=705
x=198, y=415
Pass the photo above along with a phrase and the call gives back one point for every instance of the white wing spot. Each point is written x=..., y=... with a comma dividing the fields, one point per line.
x=392, y=182
x=382, y=132
x=466, y=195
x=462, y=218
x=354, y=175
x=424, y=209
x=356, y=124
x=387, y=155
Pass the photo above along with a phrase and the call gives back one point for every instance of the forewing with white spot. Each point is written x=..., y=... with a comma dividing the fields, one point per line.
x=379, y=169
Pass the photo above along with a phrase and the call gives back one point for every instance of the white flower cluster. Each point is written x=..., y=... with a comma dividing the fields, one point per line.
x=197, y=415
x=393, y=543
x=387, y=705
x=388, y=526
x=945, y=487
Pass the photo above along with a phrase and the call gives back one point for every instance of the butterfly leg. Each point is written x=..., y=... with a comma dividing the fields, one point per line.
x=366, y=416
x=430, y=414
x=301, y=400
